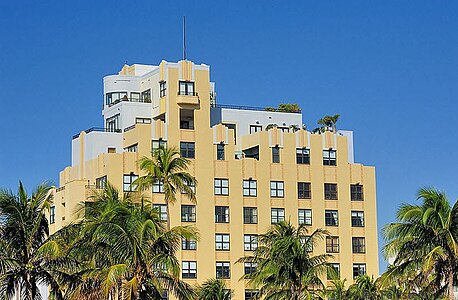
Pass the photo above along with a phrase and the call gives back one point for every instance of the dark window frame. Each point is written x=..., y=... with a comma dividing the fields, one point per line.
x=304, y=190
x=188, y=270
x=357, y=218
x=331, y=218
x=222, y=214
x=223, y=270
x=303, y=156
x=277, y=218
x=357, y=268
x=356, y=192
x=275, y=155
x=249, y=217
x=188, y=213
x=188, y=150
x=187, y=91
x=218, y=184
x=307, y=220
x=221, y=243
x=332, y=244
x=248, y=189
x=255, y=128
x=275, y=190
x=188, y=244
x=331, y=191
x=250, y=242
x=52, y=214
x=130, y=179
x=358, y=245
x=328, y=159
x=220, y=151
x=162, y=88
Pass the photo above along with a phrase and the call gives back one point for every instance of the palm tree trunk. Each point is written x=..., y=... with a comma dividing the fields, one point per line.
x=168, y=214
x=451, y=295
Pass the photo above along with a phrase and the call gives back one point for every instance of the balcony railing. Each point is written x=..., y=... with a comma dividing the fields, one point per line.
x=256, y=108
x=98, y=129
x=125, y=99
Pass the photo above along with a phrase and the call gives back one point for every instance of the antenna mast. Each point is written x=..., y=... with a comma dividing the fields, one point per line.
x=184, y=37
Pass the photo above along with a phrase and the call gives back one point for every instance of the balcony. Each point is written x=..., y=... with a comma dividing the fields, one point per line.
x=254, y=108
x=126, y=99
x=188, y=98
x=98, y=129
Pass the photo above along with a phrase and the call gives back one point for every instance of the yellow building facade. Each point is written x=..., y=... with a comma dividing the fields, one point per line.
x=250, y=173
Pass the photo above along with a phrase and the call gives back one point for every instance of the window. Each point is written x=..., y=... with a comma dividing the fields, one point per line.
x=115, y=97
x=101, y=182
x=283, y=129
x=111, y=150
x=358, y=270
x=331, y=218
x=277, y=215
x=188, y=213
x=330, y=191
x=222, y=242
x=250, y=294
x=250, y=267
x=303, y=156
x=221, y=214
x=250, y=242
x=146, y=96
x=187, y=119
x=255, y=128
x=133, y=148
x=128, y=179
x=250, y=215
x=304, y=190
x=329, y=157
x=186, y=88
x=358, y=244
x=158, y=187
x=162, y=210
x=52, y=215
x=112, y=124
x=187, y=149
x=191, y=185
x=307, y=242
x=275, y=155
x=134, y=97
x=188, y=244
x=332, y=244
x=220, y=151
x=334, y=272
x=162, y=88
x=189, y=269
x=357, y=219
x=356, y=192
x=305, y=217
x=223, y=270
x=155, y=144
x=142, y=121
x=277, y=189
x=221, y=186
x=249, y=188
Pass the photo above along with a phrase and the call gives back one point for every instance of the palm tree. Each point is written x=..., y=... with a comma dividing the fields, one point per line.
x=285, y=267
x=424, y=242
x=337, y=290
x=214, y=289
x=25, y=262
x=127, y=251
x=364, y=289
x=170, y=169
x=328, y=122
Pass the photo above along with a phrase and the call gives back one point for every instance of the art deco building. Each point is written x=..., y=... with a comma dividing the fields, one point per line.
x=250, y=175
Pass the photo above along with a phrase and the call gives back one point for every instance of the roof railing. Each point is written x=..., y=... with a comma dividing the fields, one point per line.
x=256, y=108
x=98, y=129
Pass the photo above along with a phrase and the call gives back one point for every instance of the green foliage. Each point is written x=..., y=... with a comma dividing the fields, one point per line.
x=214, y=289
x=285, y=267
x=424, y=243
x=27, y=257
x=327, y=123
x=271, y=126
x=270, y=109
x=289, y=107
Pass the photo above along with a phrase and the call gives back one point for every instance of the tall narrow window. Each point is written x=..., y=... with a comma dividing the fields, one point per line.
x=249, y=188
x=128, y=179
x=358, y=244
x=162, y=88
x=330, y=191
x=221, y=214
x=188, y=244
x=162, y=211
x=331, y=218
x=250, y=215
x=52, y=215
x=112, y=124
x=305, y=216
x=304, y=190
x=277, y=215
x=356, y=192
x=101, y=182
x=188, y=213
x=303, y=156
x=276, y=154
x=187, y=149
x=357, y=218
x=329, y=157
x=220, y=151
x=223, y=270
x=359, y=270
x=186, y=88
x=277, y=189
x=221, y=186
x=189, y=269
x=146, y=96
x=222, y=242
x=332, y=244
x=250, y=242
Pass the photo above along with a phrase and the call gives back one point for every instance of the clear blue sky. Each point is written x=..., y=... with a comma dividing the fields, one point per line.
x=390, y=68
